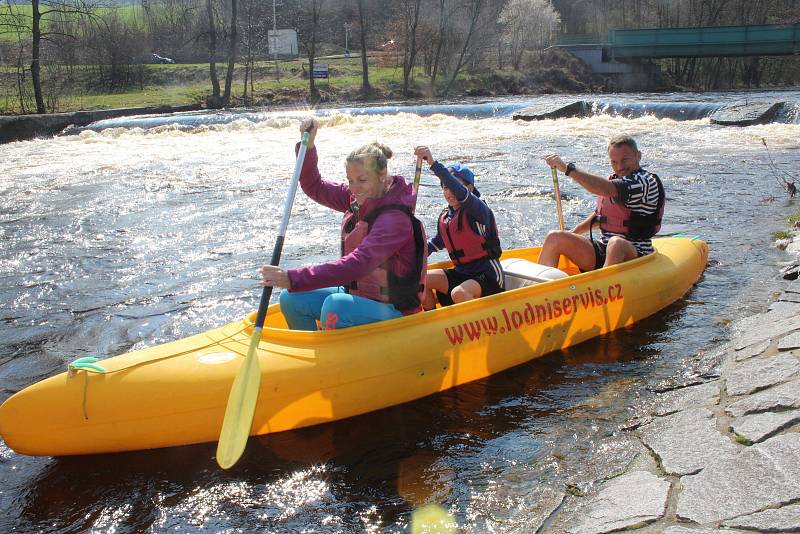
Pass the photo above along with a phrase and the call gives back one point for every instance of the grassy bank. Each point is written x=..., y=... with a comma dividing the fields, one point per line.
x=80, y=87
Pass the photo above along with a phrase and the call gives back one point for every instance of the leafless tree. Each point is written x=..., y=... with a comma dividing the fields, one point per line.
x=439, y=40
x=252, y=40
x=363, y=25
x=527, y=26
x=479, y=22
x=215, y=99
x=411, y=11
x=232, y=48
x=307, y=21
x=32, y=24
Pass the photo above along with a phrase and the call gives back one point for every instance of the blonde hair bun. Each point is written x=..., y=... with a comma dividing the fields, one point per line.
x=373, y=156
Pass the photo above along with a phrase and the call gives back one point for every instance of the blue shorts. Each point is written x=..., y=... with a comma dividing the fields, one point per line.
x=331, y=308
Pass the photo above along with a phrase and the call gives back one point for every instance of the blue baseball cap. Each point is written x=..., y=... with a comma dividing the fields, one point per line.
x=463, y=173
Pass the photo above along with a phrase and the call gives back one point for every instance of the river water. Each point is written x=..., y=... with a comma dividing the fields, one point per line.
x=120, y=238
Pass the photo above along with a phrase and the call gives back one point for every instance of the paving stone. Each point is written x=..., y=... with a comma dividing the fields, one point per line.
x=752, y=322
x=626, y=502
x=793, y=286
x=686, y=398
x=786, y=519
x=784, y=307
x=792, y=341
x=687, y=441
x=789, y=297
x=783, y=397
x=755, y=375
x=766, y=475
x=758, y=427
x=686, y=530
x=763, y=327
x=752, y=350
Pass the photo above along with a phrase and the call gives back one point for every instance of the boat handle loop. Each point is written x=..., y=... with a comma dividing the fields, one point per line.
x=87, y=363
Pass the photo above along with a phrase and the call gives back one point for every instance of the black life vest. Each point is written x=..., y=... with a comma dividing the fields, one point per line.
x=382, y=284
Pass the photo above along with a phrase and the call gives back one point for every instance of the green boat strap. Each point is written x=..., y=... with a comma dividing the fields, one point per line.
x=85, y=364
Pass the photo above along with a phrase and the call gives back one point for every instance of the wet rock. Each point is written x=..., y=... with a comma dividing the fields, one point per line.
x=763, y=476
x=502, y=506
x=752, y=350
x=758, y=427
x=675, y=384
x=790, y=272
x=707, y=365
x=792, y=341
x=794, y=246
x=690, y=397
x=760, y=374
x=539, y=112
x=687, y=441
x=786, y=519
x=614, y=454
x=745, y=113
x=626, y=502
x=783, y=397
x=751, y=322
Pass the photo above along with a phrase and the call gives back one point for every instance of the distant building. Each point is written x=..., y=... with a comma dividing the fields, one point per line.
x=282, y=43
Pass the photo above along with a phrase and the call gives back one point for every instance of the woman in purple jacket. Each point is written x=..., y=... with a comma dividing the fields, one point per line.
x=380, y=274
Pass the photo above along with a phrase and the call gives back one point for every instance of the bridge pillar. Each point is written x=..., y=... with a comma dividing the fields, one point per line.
x=630, y=76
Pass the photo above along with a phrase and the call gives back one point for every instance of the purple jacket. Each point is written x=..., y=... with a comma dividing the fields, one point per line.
x=391, y=237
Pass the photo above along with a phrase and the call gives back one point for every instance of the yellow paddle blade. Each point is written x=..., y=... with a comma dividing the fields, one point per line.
x=241, y=407
x=432, y=519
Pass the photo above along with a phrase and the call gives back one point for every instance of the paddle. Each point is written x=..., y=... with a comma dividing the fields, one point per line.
x=417, y=174
x=558, y=199
x=244, y=391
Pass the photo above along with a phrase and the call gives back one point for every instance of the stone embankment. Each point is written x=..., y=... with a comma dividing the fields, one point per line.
x=719, y=455
x=25, y=127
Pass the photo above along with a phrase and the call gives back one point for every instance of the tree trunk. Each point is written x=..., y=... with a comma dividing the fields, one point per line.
x=313, y=93
x=214, y=101
x=226, y=98
x=438, y=53
x=478, y=4
x=36, y=39
x=248, y=64
x=410, y=55
x=366, y=88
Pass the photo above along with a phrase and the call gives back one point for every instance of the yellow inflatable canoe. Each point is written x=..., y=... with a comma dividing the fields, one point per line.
x=175, y=394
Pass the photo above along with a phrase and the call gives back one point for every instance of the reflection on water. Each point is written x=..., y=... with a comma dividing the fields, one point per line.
x=126, y=238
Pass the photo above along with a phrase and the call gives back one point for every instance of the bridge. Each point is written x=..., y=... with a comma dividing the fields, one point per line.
x=625, y=48
x=728, y=41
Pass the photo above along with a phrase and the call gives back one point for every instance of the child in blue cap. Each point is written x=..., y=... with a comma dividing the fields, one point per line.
x=467, y=229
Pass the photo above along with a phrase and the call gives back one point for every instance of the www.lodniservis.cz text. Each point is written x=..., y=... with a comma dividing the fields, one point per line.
x=530, y=314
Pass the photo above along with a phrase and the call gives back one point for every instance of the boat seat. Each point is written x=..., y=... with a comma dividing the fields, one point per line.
x=523, y=273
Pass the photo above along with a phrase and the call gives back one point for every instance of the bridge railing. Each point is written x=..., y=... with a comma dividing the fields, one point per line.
x=768, y=39
x=579, y=39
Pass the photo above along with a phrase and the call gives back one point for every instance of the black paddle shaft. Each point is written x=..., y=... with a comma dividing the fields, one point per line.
x=267, y=293
x=276, y=252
